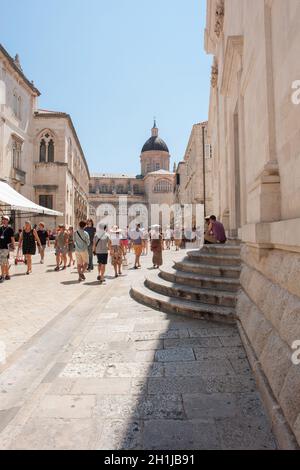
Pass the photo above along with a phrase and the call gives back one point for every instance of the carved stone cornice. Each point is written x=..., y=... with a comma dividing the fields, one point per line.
x=214, y=73
x=232, y=61
x=219, y=17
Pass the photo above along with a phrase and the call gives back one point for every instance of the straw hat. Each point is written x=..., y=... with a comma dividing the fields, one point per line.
x=115, y=229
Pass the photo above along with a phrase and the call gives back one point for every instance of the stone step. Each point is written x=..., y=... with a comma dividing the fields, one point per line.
x=190, y=266
x=193, y=294
x=152, y=299
x=213, y=258
x=200, y=280
x=221, y=249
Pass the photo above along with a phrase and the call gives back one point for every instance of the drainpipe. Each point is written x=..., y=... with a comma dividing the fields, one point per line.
x=204, y=182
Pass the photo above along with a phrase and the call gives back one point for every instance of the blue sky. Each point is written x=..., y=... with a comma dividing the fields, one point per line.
x=113, y=65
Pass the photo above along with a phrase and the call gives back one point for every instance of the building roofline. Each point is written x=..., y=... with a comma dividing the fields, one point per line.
x=112, y=176
x=194, y=128
x=19, y=71
x=203, y=123
x=57, y=114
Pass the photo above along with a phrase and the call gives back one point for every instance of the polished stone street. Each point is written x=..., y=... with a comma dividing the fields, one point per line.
x=89, y=368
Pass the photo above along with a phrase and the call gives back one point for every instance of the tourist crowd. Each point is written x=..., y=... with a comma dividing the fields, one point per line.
x=83, y=244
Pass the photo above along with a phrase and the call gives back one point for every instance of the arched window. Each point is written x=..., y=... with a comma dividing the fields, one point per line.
x=42, y=151
x=163, y=186
x=51, y=151
x=17, y=153
x=47, y=147
x=104, y=189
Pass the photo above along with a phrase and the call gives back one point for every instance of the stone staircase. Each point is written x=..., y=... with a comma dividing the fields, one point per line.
x=203, y=285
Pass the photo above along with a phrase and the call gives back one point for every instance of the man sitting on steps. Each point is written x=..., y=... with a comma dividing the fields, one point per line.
x=215, y=232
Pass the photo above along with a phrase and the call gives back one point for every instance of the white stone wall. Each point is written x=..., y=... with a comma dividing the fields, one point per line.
x=15, y=124
x=254, y=130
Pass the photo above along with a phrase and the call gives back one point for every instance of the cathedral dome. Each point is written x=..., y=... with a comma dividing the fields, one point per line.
x=155, y=143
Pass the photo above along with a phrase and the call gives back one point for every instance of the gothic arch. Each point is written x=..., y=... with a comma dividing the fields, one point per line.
x=46, y=146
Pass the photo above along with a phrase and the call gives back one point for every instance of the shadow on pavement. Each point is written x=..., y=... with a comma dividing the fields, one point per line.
x=69, y=283
x=196, y=391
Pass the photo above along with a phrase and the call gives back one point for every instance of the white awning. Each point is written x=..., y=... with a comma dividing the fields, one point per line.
x=16, y=201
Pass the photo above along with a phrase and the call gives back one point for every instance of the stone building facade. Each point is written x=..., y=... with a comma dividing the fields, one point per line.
x=254, y=131
x=40, y=153
x=153, y=186
x=18, y=102
x=61, y=174
x=194, y=173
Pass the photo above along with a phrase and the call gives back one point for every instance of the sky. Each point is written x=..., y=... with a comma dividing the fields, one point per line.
x=113, y=65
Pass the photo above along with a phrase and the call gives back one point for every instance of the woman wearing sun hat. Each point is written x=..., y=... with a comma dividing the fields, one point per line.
x=156, y=246
x=137, y=245
x=116, y=251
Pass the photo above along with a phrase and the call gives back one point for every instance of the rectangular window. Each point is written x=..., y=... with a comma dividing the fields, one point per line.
x=208, y=151
x=17, y=151
x=46, y=201
x=157, y=166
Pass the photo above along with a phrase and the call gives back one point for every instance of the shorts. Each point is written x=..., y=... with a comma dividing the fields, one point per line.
x=61, y=251
x=138, y=250
x=71, y=248
x=102, y=258
x=4, y=253
x=82, y=257
x=124, y=242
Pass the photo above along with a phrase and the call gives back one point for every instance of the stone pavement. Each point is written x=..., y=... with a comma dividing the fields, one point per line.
x=89, y=368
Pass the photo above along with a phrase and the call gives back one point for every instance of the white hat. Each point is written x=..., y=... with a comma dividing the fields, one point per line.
x=115, y=229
